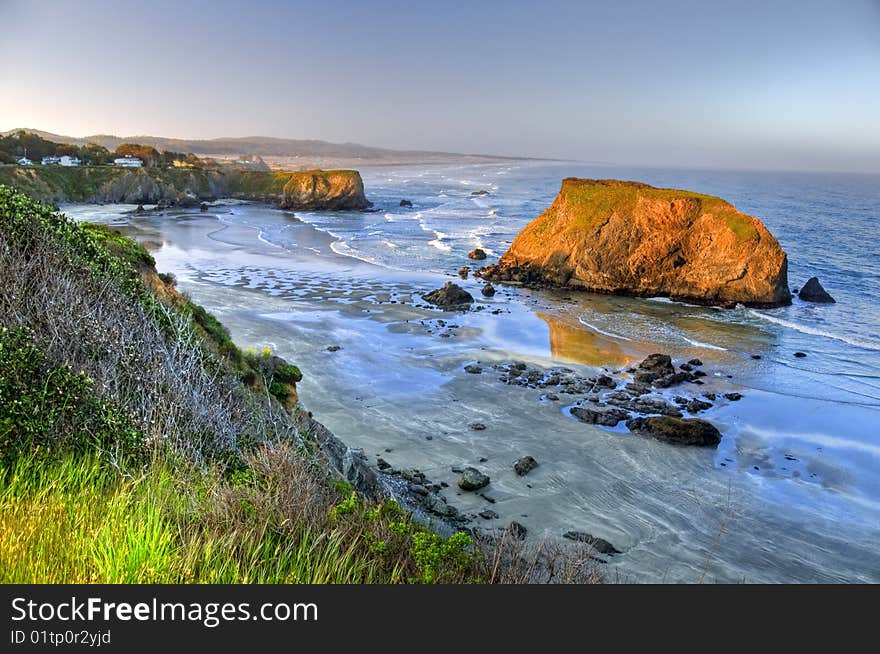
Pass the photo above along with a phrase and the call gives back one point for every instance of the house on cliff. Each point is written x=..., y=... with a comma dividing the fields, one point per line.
x=128, y=162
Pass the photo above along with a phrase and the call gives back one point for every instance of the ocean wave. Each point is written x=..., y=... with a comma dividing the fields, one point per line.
x=343, y=249
x=602, y=331
x=812, y=331
x=708, y=346
x=820, y=439
x=438, y=242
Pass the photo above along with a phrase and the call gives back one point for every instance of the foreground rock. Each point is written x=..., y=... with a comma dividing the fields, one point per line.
x=472, y=480
x=524, y=465
x=680, y=431
x=451, y=297
x=813, y=292
x=599, y=545
x=629, y=238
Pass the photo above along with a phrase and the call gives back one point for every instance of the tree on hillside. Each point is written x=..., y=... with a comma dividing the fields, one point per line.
x=94, y=154
x=16, y=145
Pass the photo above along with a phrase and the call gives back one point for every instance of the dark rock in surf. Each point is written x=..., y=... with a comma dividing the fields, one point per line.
x=600, y=545
x=451, y=297
x=405, y=203
x=524, y=465
x=679, y=431
x=477, y=254
x=605, y=417
x=695, y=406
x=472, y=480
x=653, y=368
x=813, y=292
x=488, y=290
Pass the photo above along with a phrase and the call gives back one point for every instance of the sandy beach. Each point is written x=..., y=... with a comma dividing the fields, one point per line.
x=396, y=387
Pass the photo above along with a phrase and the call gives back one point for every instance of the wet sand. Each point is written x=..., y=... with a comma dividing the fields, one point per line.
x=397, y=388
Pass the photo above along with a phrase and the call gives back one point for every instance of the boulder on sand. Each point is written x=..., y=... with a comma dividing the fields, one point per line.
x=813, y=292
x=680, y=431
x=451, y=297
x=600, y=545
x=524, y=465
x=472, y=479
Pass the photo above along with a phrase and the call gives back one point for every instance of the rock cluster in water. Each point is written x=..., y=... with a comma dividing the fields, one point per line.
x=633, y=397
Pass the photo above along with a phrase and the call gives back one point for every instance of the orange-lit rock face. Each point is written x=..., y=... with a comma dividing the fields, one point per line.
x=632, y=239
x=319, y=189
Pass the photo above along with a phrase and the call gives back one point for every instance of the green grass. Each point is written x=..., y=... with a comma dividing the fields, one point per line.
x=78, y=520
x=131, y=475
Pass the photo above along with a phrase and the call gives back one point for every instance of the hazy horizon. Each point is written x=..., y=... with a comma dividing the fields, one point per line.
x=763, y=86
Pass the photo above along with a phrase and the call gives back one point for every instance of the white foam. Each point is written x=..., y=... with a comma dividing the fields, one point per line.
x=438, y=242
x=812, y=331
x=602, y=331
x=708, y=346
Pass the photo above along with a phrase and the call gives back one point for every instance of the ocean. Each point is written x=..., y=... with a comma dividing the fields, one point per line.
x=791, y=494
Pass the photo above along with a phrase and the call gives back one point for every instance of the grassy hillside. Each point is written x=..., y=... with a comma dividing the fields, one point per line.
x=139, y=444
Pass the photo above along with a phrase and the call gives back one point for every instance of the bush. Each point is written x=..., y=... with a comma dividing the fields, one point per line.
x=46, y=407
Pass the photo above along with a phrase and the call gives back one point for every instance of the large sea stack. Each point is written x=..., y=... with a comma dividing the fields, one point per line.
x=629, y=238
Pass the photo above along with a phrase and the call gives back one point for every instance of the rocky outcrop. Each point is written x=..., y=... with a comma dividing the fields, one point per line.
x=316, y=190
x=451, y=297
x=629, y=238
x=814, y=292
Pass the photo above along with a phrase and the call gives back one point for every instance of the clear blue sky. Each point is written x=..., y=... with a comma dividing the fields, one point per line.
x=792, y=84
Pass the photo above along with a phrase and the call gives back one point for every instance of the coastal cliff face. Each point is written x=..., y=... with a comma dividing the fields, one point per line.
x=312, y=190
x=308, y=191
x=629, y=238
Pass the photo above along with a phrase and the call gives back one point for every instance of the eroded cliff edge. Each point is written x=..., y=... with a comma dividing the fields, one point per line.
x=312, y=190
x=628, y=238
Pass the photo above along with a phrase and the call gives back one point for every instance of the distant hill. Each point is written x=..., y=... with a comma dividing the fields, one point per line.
x=267, y=146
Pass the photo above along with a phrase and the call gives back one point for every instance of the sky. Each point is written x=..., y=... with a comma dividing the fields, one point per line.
x=771, y=84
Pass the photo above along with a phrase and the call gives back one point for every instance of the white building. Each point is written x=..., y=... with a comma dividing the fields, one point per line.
x=24, y=161
x=128, y=162
x=50, y=160
x=69, y=161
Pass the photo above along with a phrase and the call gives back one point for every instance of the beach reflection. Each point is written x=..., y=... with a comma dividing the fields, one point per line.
x=574, y=343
